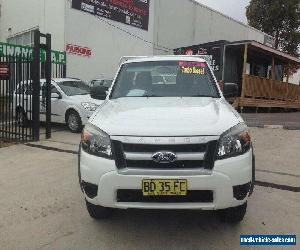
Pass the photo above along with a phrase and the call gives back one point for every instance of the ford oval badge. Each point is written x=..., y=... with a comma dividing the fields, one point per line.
x=164, y=157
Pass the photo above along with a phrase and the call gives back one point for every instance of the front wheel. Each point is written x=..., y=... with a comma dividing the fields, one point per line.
x=98, y=212
x=233, y=214
x=73, y=121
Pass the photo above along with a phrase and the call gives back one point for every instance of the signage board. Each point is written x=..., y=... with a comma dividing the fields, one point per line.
x=26, y=53
x=212, y=54
x=78, y=50
x=4, y=71
x=131, y=12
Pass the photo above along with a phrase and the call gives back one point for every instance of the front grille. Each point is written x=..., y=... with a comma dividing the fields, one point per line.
x=207, y=149
x=135, y=195
x=174, y=148
x=172, y=165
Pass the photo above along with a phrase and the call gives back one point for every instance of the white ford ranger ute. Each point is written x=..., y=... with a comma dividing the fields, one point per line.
x=172, y=144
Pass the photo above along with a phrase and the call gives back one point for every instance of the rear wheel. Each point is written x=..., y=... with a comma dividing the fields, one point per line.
x=73, y=121
x=233, y=214
x=98, y=212
x=21, y=118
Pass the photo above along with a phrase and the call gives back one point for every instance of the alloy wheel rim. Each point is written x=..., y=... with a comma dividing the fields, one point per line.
x=72, y=121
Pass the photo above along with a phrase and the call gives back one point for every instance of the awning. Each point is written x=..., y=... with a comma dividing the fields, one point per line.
x=269, y=50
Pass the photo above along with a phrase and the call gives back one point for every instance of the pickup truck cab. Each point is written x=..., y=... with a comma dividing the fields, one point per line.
x=172, y=144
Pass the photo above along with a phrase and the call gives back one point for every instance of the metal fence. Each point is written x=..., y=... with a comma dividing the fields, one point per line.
x=14, y=94
x=21, y=97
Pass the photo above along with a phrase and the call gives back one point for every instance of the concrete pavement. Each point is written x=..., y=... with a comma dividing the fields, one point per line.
x=289, y=120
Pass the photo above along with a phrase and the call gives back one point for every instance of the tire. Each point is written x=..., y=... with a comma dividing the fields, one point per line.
x=233, y=214
x=98, y=212
x=21, y=118
x=73, y=121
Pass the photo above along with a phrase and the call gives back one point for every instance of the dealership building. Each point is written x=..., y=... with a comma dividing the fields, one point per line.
x=96, y=33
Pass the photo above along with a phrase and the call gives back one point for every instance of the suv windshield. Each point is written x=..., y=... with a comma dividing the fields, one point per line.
x=72, y=88
x=165, y=79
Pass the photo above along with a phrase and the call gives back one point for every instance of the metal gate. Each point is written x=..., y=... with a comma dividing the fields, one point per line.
x=21, y=97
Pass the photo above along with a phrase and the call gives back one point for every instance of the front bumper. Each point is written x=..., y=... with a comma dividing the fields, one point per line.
x=225, y=175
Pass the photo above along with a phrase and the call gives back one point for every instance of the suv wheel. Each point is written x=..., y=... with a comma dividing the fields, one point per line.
x=21, y=118
x=233, y=214
x=74, y=121
x=98, y=212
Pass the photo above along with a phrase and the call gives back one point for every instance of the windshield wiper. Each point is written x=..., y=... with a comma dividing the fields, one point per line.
x=203, y=96
x=151, y=96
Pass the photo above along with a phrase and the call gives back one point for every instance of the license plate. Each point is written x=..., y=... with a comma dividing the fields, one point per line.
x=158, y=187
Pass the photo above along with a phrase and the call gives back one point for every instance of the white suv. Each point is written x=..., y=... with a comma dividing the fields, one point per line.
x=71, y=102
x=169, y=145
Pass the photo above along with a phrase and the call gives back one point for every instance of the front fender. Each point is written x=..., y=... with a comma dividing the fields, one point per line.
x=253, y=173
x=82, y=113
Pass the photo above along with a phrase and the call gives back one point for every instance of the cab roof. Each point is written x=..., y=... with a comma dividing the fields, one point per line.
x=133, y=59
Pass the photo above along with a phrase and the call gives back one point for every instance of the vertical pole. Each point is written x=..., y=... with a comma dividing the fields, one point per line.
x=65, y=70
x=288, y=73
x=287, y=81
x=48, y=85
x=273, y=80
x=244, y=69
x=36, y=87
x=273, y=68
x=223, y=63
x=244, y=74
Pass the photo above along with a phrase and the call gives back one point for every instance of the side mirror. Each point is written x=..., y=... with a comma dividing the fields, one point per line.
x=55, y=96
x=99, y=92
x=230, y=90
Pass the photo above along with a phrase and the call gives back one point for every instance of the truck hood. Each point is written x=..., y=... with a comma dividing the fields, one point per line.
x=170, y=116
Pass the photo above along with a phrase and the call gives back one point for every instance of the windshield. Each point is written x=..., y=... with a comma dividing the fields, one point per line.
x=165, y=79
x=71, y=88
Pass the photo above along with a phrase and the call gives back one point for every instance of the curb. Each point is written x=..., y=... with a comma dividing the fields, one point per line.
x=286, y=127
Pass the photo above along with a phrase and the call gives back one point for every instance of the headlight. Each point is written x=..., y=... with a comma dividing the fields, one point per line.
x=235, y=141
x=95, y=142
x=89, y=106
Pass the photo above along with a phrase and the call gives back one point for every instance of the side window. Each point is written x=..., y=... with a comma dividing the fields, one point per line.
x=53, y=90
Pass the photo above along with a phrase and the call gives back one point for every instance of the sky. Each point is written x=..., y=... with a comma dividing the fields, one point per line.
x=232, y=8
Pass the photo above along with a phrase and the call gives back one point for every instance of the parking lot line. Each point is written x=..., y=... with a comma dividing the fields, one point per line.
x=51, y=148
x=275, y=172
x=277, y=186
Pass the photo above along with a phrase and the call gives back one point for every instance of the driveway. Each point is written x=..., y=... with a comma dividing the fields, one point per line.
x=290, y=120
x=42, y=206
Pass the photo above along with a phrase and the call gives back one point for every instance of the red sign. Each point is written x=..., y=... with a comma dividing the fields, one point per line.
x=189, y=52
x=4, y=71
x=78, y=50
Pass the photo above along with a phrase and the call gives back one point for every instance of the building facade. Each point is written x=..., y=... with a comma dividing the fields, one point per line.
x=96, y=34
